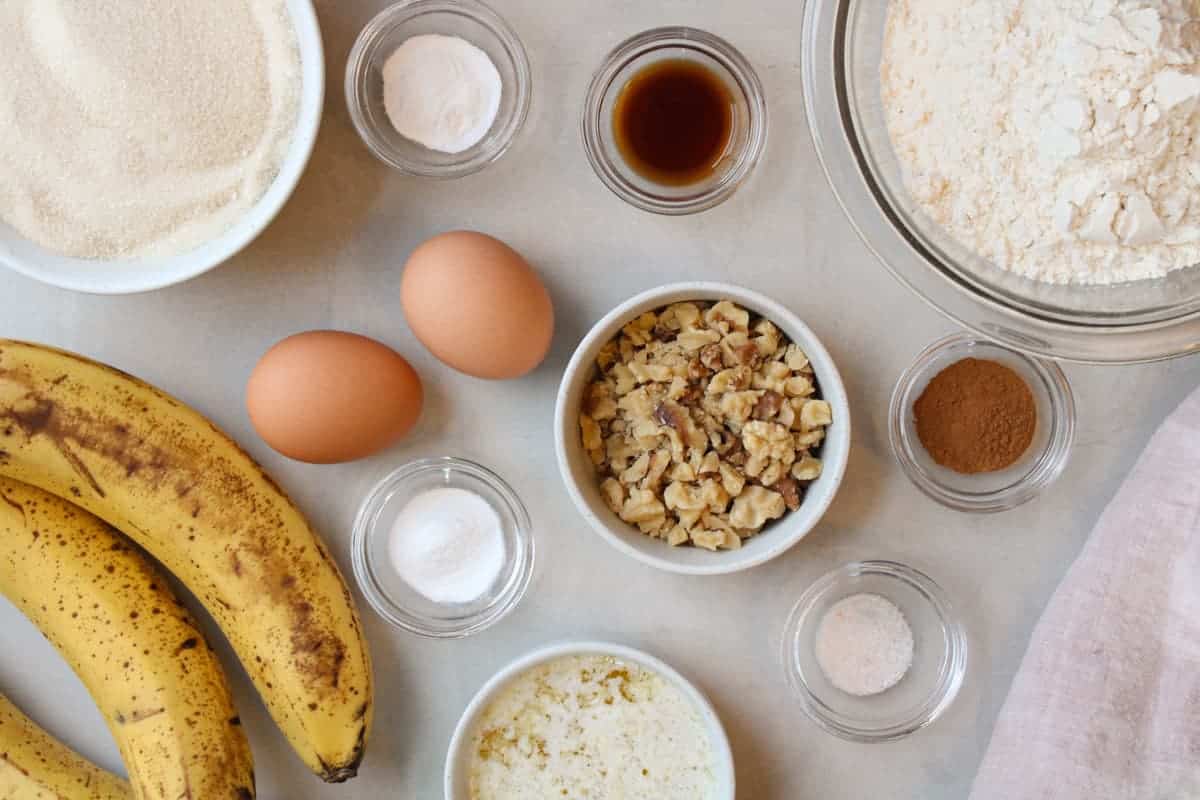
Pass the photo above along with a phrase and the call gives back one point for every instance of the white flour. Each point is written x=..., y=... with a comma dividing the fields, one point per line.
x=136, y=128
x=1058, y=138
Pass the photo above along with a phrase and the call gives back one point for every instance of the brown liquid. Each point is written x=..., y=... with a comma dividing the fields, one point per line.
x=673, y=121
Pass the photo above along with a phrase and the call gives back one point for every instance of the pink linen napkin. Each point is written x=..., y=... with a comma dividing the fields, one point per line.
x=1106, y=704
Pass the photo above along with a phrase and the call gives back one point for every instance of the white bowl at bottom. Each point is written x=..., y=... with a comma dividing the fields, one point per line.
x=584, y=487
x=458, y=757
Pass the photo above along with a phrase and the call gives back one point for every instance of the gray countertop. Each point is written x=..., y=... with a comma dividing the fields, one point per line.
x=333, y=259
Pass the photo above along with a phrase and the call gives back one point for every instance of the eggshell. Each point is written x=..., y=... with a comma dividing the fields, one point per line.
x=328, y=396
x=477, y=305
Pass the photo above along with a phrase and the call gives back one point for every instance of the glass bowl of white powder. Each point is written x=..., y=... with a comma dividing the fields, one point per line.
x=438, y=88
x=874, y=651
x=442, y=547
x=996, y=167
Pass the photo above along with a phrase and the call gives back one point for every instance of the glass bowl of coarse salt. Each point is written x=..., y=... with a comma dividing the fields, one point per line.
x=442, y=547
x=438, y=88
x=874, y=652
x=1026, y=198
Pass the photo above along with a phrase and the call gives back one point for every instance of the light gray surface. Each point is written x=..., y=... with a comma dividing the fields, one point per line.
x=333, y=260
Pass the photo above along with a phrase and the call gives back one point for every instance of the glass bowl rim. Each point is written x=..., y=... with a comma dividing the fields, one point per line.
x=954, y=671
x=400, y=13
x=403, y=618
x=1051, y=461
x=831, y=125
x=649, y=41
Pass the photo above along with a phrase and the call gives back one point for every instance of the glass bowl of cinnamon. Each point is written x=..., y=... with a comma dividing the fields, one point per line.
x=980, y=427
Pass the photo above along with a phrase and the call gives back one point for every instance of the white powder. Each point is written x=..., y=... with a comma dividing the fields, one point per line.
x=136, y=128
x=448, y=544
x=591, y=727
x=441, y=92
x=864, y=645
x=1058, y=138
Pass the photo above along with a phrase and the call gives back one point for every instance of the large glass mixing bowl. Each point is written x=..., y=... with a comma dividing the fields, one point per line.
x=1125, y=323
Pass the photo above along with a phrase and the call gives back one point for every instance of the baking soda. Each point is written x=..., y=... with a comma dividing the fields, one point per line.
x=448, y=544
x=441, y=92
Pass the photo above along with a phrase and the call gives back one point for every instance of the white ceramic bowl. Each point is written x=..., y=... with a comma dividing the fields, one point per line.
x=580, y=478
x=141, y=275
x=458, y=757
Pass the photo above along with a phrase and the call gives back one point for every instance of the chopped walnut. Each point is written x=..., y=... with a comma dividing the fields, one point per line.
x=703, y=423
x=614, y=494
x=755, y=507
x=769, y=440
x=815, y=414
x=790, y=489
x=642, y=506
x=712, y=357
x=807, y=469
x=730, y=380
x=768, y=405
x=692, y=341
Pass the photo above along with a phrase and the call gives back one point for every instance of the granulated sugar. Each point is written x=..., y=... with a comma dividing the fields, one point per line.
x=136, y=128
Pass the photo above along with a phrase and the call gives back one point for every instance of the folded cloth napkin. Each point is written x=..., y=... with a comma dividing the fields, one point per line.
x=1106, y=704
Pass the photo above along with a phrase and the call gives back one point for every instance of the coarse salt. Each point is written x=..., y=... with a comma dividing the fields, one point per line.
x=864, y=645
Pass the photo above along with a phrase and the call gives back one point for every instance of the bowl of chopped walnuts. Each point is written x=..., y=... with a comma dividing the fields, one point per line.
x=702, y=428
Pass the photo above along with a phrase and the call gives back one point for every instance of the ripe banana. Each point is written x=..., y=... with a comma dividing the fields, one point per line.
x=179, y=487
x=112, y=616
x=36, y=766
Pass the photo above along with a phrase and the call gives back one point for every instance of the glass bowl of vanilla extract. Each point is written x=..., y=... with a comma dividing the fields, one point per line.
x=675, y=120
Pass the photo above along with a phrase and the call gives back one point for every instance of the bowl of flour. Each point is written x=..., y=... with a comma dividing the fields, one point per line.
x=148, y=142
x=1026, y=166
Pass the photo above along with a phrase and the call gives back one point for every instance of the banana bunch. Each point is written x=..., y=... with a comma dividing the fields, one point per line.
x=111, y=615
x=170, y=480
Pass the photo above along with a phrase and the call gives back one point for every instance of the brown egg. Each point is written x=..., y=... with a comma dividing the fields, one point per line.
x=477, y=305
x=327, y=396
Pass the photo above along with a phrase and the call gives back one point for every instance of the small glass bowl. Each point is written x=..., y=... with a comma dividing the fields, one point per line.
x=396, y=601
x=926, y=690
x=746, y=142
x=467, y=19
x=985, y=492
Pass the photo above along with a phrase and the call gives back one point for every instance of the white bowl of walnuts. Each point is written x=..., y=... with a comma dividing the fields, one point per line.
x=702, y=428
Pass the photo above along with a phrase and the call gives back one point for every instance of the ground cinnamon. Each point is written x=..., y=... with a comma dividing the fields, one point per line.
x=976, y=416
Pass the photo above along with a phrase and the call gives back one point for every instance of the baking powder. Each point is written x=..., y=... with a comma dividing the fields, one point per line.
x=1058, y=138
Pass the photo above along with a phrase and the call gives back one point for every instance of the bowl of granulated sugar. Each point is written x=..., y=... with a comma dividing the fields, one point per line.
x=154, y=140
x=874, y=652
